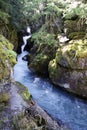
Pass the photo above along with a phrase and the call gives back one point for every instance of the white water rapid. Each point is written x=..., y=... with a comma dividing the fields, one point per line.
x=59, y=104
x=25, y=38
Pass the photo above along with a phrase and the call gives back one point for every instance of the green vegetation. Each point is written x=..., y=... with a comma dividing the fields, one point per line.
x=48, y=20
x=80, y=11
x=12, y=11
x=23, y=90
x=5, y=9
x=25, y=12
x=7, y=58
x=52, y=14
x=42, y=37
x=4, y=97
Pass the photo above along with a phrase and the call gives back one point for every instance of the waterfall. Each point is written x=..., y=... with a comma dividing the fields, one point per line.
x=29, y=30
x=25, y=38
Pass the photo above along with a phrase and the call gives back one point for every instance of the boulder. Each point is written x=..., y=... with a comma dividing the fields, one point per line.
x=69, y=68
x=7, y=58
x=41, y=57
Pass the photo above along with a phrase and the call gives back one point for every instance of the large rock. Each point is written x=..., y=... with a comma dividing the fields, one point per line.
x=32, y=117
x=69, y=68
x=7, y=58
x=19, y=112
x=41, y=57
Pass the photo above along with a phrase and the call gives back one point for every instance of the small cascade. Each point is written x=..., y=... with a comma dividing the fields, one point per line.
x=25, y=38
x=29, y=30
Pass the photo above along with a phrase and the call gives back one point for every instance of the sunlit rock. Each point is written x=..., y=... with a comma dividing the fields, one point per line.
x=69, y=68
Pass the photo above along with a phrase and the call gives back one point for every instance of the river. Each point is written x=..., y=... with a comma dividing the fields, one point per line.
x=59, y=104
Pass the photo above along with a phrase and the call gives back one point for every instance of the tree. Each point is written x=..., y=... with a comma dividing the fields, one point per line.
x=17, y=17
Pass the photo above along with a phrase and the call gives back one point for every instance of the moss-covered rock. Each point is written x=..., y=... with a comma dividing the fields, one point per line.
x=24, y=92
x=39, y=63
x=40, y=59
x=10, y=33
x=75, y=29
x=69, y=68
x=73, y=55
x=7, y=58
x=76, y=35
x=21, y=122
x=4, y=97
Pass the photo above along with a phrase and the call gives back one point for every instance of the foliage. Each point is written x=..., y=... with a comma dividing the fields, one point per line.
x=44, y=38
x=37, y=8
x=25, y=12
x=80, y=11
x=4, y=17
x=7, y=58
x=17, y=17
x=11, y=54
x=5, y=6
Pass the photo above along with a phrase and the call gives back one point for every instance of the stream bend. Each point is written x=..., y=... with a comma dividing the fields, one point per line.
x=60, y=105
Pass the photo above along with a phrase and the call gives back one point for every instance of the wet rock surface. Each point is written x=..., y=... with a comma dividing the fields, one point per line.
x=19, y=112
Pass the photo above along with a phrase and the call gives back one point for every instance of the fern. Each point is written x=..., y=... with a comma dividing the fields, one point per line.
x=80, y=11
x=5, y=6
x=44, y=38
x=4, y=18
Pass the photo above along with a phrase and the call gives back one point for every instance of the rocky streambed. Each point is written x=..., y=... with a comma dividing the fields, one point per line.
x=60, y=105
x=17, y=109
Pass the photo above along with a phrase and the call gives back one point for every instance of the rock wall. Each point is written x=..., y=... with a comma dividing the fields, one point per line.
x=40, y=57
x=17, y=109
x=7, y=58
x=69, y=68
x=64, y=62
x=8, y=31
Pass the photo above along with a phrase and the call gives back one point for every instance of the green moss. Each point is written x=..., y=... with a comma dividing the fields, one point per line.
x=75, y=28
x=41, y=58
x=52, y=68
x=23, y=90
x=26, y=95
x=4, y=97
x=76, y=35
x=73, y=55
x=39, y=63
x=11, y=56
x=7, y=58
x=12, y=36
x=5, y=44
x=2, y=106
x=4, y=18
x=10, y=33
x=42, y=37
x=80, y=46
x=20, y=122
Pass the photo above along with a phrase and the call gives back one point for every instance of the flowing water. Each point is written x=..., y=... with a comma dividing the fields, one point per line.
x=60, y=105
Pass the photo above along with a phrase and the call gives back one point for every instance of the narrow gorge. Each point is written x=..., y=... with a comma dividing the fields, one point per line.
x=59, y=104
x=43, y=65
